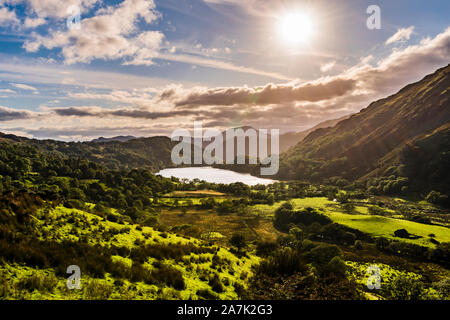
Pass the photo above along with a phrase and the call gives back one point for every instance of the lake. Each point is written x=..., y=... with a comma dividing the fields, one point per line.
x=213, y=175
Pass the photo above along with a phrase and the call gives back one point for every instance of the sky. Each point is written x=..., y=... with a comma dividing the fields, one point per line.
x=80, y=69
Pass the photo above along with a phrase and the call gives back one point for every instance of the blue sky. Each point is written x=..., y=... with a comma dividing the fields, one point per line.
x=145, y=67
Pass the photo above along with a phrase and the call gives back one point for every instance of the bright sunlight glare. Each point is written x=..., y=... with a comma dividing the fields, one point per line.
x=297, y=28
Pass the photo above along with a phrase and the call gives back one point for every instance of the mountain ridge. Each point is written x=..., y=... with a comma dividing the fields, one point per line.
x=368, y=143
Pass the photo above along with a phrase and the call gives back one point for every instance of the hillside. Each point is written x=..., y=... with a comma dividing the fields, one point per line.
x=118, y=138
x=152, y=153
x=290, y=139
x=383, y=140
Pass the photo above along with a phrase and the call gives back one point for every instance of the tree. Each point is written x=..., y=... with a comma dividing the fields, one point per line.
x=438, y=198
x=337, y=267
x=323, y=253
x=297, y=233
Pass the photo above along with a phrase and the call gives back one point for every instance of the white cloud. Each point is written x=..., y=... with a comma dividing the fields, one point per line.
x=56, y=9
x=34, y=22
x=8, y=17
x=46, y=73
x=7, y=91
x=112, y=33
x=400, y=35
x=24, y=87
x=327, y=66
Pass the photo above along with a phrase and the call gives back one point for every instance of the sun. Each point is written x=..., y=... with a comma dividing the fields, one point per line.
x=297, y=28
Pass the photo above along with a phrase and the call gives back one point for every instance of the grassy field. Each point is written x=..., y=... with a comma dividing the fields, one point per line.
x=221, y=227
x=374, y=225
x=384, y=227
x=195, y=193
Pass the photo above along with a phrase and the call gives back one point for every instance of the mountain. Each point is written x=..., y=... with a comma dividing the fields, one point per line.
x=118, y=138
x=404, y=137
x=151, y=153
x=286, y=140
x=290, y=139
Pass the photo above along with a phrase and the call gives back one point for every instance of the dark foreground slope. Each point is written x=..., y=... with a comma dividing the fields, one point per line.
x=404, y=136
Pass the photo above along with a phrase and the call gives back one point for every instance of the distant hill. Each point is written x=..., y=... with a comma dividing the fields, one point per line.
x=404, y=137
x=151, y=153
x=118, y=138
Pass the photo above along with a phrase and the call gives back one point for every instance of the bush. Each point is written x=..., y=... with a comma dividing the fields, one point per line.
x=97, y=290
x=38, y=282
x=216, y=284
x=323, y=253
x=265, y=248
x=404, y=288
x=297, y=233
x=437, y=198
x=285, y=261
x=443, y=288
x=238, y=240
x=336, y=267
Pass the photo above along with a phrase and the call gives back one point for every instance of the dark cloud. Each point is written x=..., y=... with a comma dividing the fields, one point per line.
x=7, y=114
x=129, y=113
x=269, y=94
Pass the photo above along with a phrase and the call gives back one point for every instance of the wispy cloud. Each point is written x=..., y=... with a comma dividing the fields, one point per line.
x=327, y=66
x=400, y=35
x=217, y=64
x=24, y=87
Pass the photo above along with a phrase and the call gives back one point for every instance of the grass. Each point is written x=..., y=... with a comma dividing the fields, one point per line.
x=220, y=228
x=195, y=193
x=377, y=226
x=384, y=227
x=61, y=224
x=359, y=272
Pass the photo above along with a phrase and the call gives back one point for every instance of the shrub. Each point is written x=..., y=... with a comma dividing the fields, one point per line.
x=336, y=267
x=404, y=288
x=216, y=284
x=97, y=290
x=169, y=276
x=438, y=198
x=265, y=248
x=323, y=253
x=443, y=288
x=238, y=240
x=285, y=261
x=38, y=282
x=297, y=233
